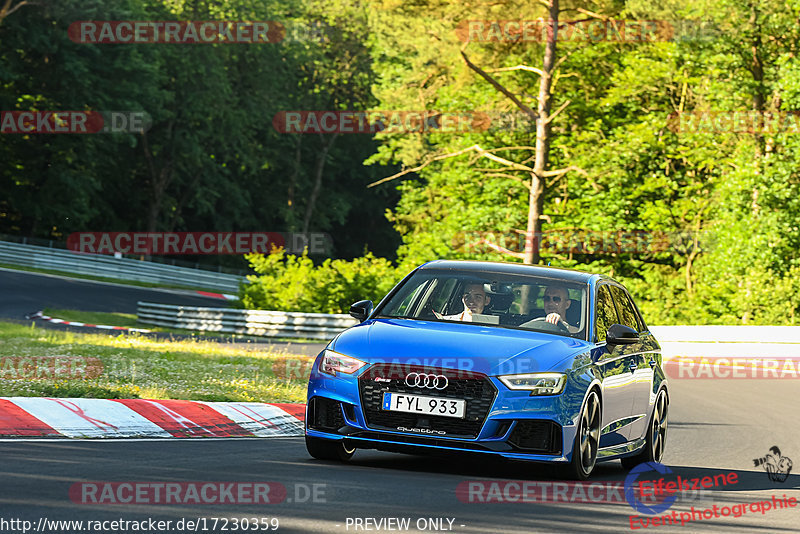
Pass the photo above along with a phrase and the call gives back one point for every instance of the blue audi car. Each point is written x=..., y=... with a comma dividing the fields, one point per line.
x=522, y=362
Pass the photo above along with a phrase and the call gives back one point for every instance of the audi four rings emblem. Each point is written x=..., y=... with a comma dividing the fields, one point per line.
x=422, y=380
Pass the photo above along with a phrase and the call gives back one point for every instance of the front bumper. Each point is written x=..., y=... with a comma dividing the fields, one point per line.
x=511, y=424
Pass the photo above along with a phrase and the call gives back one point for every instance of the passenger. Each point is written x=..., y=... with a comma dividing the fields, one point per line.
x=475, y=300
x=556, y=304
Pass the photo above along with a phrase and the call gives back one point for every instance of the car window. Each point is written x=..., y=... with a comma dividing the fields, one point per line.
x=443, y=293
x=626, y=313
x=605, y=314
x=639, y=318
x=502, y=300
x=402, y=305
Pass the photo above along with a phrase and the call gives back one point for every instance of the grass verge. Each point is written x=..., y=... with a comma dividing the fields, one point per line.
x=133, y=366
x=128, y=320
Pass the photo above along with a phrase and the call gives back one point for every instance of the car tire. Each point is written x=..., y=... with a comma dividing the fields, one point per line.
x=656, y=439
x=587, y=440
x=329, y=449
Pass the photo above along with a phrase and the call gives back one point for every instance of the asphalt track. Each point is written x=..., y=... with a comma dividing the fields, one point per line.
x=716, y=426
x=24, y=293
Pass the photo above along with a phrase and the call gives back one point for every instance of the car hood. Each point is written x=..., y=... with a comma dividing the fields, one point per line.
x=481, y=348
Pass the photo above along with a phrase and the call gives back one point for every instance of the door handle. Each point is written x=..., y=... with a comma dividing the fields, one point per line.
x=632, y=367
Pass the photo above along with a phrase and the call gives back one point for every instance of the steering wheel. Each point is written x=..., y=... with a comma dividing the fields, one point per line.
x=560, y=325
x=427, y=311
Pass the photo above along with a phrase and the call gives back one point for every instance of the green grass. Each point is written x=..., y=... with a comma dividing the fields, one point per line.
x=112, y=319
x=103, y=278
x=133, y=366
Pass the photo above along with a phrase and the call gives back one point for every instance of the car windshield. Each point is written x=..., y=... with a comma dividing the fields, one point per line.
x=503, y=300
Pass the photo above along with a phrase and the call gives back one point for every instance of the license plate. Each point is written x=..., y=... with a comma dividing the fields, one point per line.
x=400, y=402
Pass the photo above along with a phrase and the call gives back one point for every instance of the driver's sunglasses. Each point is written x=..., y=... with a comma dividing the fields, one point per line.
x=548, y=298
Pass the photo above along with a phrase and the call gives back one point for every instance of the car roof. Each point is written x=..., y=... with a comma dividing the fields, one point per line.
x=557, y=273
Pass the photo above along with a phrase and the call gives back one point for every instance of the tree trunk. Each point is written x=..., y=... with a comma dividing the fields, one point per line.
x=293, y=184
x=188, y=192
x=8, y=9
x=535, y=199
x=757, y=71
x=318, y=171
x=159, y=181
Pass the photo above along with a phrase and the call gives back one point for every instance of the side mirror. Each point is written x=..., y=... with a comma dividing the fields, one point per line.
x=621, y=335
x=361, y=310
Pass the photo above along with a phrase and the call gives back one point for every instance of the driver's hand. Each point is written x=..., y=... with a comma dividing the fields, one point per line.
x=554, y=318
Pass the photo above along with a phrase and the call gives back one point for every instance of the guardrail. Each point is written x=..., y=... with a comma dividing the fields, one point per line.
x=728, y=341
x=708, y=341
x=250, y=322
x=116, y=268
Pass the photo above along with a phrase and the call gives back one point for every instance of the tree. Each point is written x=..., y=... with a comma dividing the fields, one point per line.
x=9, y=6
x=211, y=159
x=519, y=55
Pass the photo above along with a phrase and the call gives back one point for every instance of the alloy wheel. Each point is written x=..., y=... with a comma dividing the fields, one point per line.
x=589, y=431
x=658, y=430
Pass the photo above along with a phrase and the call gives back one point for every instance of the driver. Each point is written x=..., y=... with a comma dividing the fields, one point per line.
x=475, y=300
x=556, y=303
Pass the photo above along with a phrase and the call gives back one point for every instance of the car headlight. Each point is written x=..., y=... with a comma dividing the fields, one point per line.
x=537, y=383
x=333, y=363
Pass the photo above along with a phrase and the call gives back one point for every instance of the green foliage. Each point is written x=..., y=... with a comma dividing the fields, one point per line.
x=212, y=159
x=726, y=200
x=730, y=201
x=294, y=283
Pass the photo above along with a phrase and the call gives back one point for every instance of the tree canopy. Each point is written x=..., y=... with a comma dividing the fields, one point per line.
x=667, y=162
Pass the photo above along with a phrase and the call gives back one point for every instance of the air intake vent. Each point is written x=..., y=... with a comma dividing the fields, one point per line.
x=325, y=414
x=536, y=436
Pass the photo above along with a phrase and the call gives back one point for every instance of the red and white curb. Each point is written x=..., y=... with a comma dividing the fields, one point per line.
x=142, y=418
x=217, y=295
x=40, y=315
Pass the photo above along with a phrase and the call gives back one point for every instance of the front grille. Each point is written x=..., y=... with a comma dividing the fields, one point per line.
x=475, y=388
x=325, y=414
x=536, y=436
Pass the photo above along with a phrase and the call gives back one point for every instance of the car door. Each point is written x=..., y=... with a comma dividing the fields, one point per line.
x=616, y=366
x=645, y=362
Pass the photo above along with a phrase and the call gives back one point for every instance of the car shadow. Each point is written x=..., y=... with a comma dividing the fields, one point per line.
x=462, y=465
